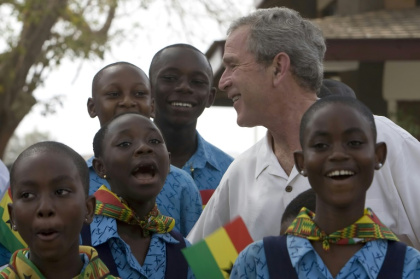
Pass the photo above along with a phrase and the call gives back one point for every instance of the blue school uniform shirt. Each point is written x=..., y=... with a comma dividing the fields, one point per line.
x=179, y=197
x=104, y=229
x=366, y=263
x=207, y=165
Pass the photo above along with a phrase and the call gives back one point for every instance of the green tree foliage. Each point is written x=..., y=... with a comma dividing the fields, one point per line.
x=48, y=31
x=37, y=34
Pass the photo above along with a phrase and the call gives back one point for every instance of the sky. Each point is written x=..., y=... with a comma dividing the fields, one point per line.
x=71, y=123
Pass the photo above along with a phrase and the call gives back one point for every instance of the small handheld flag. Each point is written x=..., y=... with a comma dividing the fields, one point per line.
x=214, y=256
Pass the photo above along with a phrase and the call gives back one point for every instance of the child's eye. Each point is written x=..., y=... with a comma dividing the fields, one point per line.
x=320, y=145
x=124, y=144
x=140, y=94
x=199, y=82
x=113, y=94
x=155, y=141
x=355, y=143
x=26, y=195
x=169, y=78
x=62, y=192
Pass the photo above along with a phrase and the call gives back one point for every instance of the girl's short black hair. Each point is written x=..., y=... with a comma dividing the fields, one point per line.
x=331, y=100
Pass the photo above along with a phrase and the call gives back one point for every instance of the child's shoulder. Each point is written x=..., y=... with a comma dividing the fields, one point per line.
x=179, y=177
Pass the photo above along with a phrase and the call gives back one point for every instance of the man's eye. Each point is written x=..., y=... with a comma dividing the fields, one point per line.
x=62, y=192
x=124, y=144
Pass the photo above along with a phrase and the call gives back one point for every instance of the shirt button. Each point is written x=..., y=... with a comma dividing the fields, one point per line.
x=289, y=188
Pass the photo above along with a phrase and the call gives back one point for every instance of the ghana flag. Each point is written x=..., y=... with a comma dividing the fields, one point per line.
x=214, y=256
x=9, y=238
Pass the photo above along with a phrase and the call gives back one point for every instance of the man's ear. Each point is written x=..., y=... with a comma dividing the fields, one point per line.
x=99, y=167
x=90, y=209
x=91, y=108
x=380, y=152
x=212, y=97
x=281, y=66
x=300, y=162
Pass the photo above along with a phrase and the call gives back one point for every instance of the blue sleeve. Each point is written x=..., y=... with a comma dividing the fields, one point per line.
x=411, y=264
x=251, y=263
x=191, y=205
x=180, y=199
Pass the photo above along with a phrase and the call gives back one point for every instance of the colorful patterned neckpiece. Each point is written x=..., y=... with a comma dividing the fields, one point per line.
x=21, y=267
x=110, y=205
x=367, y=228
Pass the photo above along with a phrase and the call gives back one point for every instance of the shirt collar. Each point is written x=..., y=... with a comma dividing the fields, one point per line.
x=108, y=226
x=299, y=247
x=266, y=159
x=203, y=155
x=89, y=161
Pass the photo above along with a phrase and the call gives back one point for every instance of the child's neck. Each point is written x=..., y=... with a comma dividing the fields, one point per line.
x=331, y=220
x=133, y=236
x=141, y=210
x=68, y=266
x=181, y=141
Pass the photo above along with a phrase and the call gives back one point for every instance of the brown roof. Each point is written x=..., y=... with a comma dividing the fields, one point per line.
x=383, y=24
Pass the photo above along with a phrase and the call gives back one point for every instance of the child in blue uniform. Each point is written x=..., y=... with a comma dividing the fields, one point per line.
x=341, y=239
x=123, y=87
x=182, y=87
x=131, y=155
x=49, y=183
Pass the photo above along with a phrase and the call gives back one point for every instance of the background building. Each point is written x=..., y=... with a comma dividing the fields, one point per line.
x=372, y=45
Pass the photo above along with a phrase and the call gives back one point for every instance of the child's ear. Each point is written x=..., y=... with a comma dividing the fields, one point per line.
x=12, y=217
x=380, y=153
x=91, y=108
x=99, y=167
x=300, y=162
x=90, y=209
x=212, y=97
x=152, y=108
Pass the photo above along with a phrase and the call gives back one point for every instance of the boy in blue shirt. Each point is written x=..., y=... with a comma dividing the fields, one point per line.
x=182, y=87
x=123, y=87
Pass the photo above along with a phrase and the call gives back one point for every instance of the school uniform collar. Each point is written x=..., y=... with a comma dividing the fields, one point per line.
x=203, y=155
x=89, y=162
x=109, y=227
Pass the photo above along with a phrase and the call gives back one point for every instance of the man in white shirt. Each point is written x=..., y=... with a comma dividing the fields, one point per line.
x=273, y=70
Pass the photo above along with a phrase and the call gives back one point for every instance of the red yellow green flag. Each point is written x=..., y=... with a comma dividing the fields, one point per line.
x=9, y=238
x=214, y=256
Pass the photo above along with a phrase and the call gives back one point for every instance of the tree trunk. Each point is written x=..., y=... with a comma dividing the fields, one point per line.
x=16, y=98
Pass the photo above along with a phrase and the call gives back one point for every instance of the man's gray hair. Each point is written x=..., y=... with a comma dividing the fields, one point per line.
x=278, y=30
